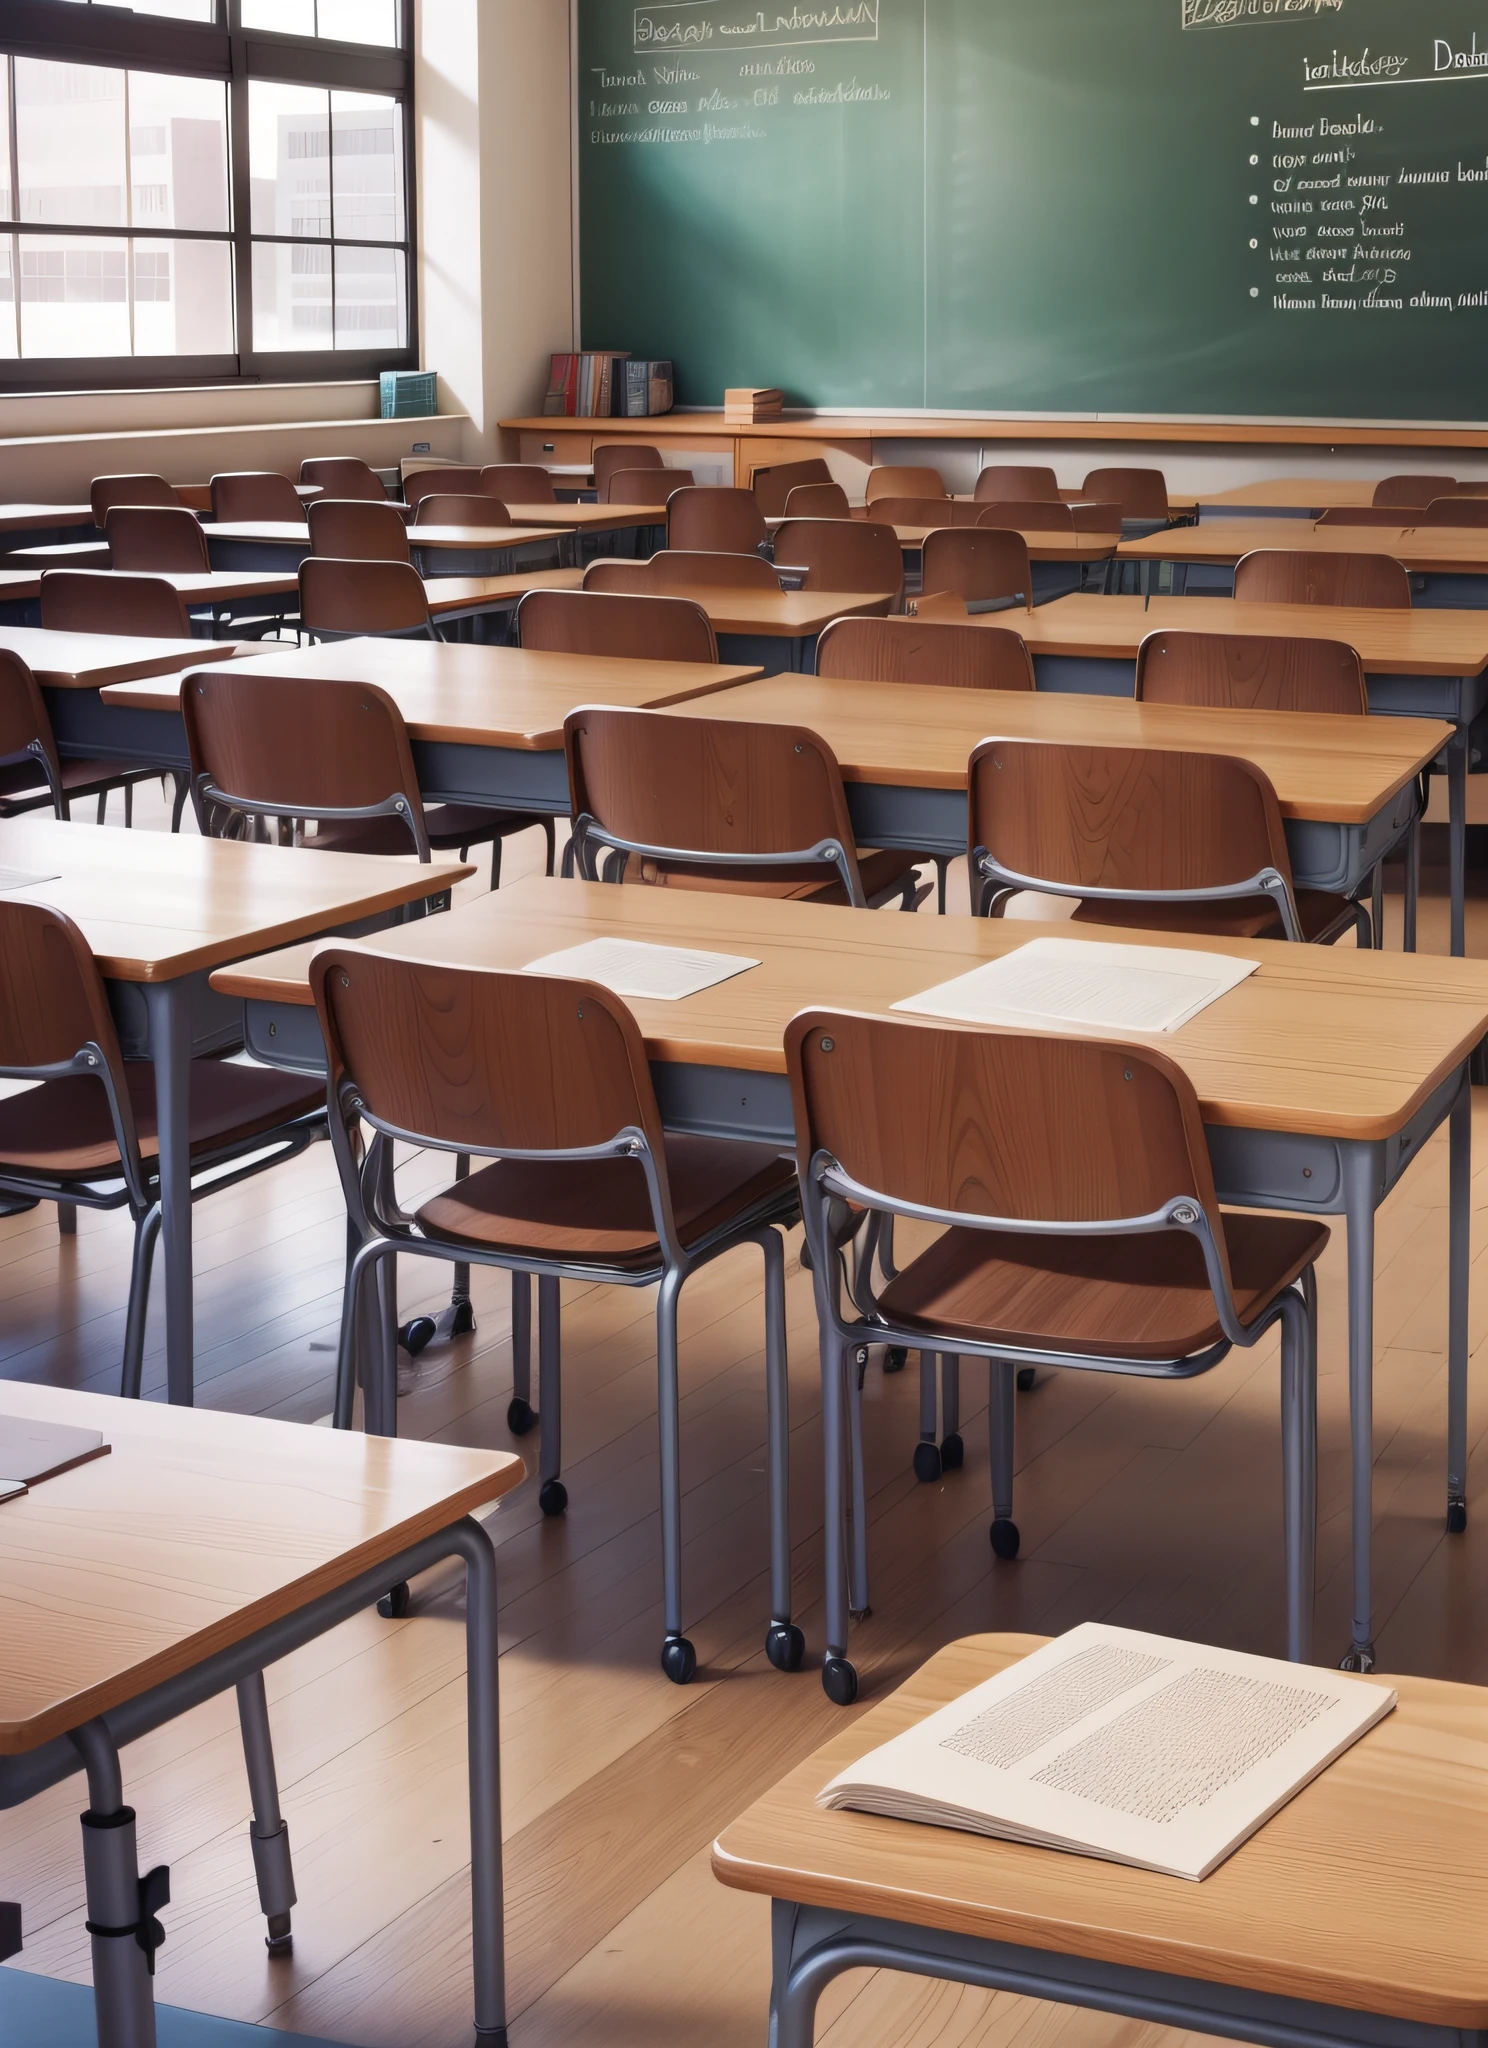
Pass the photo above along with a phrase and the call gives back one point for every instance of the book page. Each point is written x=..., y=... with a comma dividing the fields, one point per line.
x=631, y=968
x=1098, y=986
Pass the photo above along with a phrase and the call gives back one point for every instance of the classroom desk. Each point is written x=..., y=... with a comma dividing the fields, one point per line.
x=486, y=723
x=283, y=543
x=1450, y=562
x=1319, y=1078
x=85, y=661
x=1346, y=785
x=160, y=911
x=201, y=1549
x=24, y=524
x=1355, y=1915
x=751, y=617
x=73, y=554
x=223, y=593
x=581, y=519
x=455, y=598
x=1287, y=497
x=1418, y=664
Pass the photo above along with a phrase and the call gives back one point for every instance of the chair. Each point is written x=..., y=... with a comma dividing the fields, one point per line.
x=904, y=480
x=1141, y=493
x=611, y=456
x=1008, y=482
x=1030, y=515
x=448, y=477
x=103, y=601
x=552, y=1088
x=984, y=565
x=632, y=579
x=599, y=622
x=914, y=651
x=675, y=571
x=302, y=747
x=32, y=774
x=153, y=538
x=646, y=486
x=345, y=600
x=1295, y=576
x=518, y=483
x=1081, y=1230
x=255, y=495
x=1163, y=841
x=356, y=530
x=1416, y=492
x=460, y=508
x=1250, y=672
x=715, y=519
x=107, y=491
x=773, y=485
x=1454, y=512
x=705, y=803
x=86, y=1137
x=1371, y=515
x=344, y=477
x=817, y=501
x=854, y=555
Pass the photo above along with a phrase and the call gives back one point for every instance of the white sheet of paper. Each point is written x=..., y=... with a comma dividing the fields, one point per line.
x=21, y=878
x=1100, y=987
x=632, y=968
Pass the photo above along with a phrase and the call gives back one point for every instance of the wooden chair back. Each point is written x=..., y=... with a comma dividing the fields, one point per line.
x=362, y=597
x=1030, y=515
x=1007, y=482
x=1415, y=492
x=450, y=477
x=859, y=555
x=150, y=538
x=1296, y=576
x=26, y=736
x=256, y=494
x=460, y=508
x=817, y=501
x=612, y=456
x=646, y=486
x=979, y=564
x=356, y=530
x=1141, y=493
x=1250, y=672
x=1370, y=515
x=344, y=476
x=715, y=519
x=101, y=601
x=675, y=571
x=1454, y=512
x=518, y=483
x=614, y=573
x=141, y=489
x=951, y=656
x=773, y=486
x=52, y=998
x=904, y=480
x=604, y=622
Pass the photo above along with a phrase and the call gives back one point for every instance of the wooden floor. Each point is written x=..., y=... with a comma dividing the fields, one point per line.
x=1154, y=1505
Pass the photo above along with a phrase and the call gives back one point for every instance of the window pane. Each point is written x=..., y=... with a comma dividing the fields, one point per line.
x=291, y=296
x=360, y=21
x=7, y=301
x=183, y=298
x=367, y=166
x=74, y=298
x=5, y=201
x=284, y=17
x=371, y=294
x=178, y=151
x=178, y=10
x=70, y=139
x=290, y=158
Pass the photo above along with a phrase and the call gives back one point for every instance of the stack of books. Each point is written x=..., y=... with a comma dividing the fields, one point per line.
x=746, y=406
x=586, y=385
x=647, y=388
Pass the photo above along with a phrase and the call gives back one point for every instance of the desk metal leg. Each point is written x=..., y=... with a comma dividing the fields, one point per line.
x=170, y=1052
x=1361, y=1174
x=1457, y=752
x=1459, y=1256
x=267, y=1832
x=1412, y=883
x=123, y=1982
x=487, y=1934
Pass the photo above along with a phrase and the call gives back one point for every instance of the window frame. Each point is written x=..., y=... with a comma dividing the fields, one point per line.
x=66, y=32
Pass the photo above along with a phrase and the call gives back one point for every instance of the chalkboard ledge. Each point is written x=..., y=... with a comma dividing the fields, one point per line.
x=919, y=426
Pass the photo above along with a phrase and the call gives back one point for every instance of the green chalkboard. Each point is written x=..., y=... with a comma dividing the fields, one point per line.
x=1273, y=208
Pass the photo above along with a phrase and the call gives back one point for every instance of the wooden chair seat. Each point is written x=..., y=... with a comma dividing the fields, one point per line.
x=599, y=1210
x=63, y=1129
x=449, y=826
x=1145, y=1298
x=882, y=873
x=1318, y=912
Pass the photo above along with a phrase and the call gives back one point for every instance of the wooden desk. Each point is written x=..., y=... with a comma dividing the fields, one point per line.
x=23, y=518
x=201, y=1549
x=794, y=616
x=277, y=544
x=1449, y=564
x=580, y=518
x=1305, y=496
x=1319, y=1078
x=160, y=911
x=1364, y=1895
x=85, y=661
x=466, y=597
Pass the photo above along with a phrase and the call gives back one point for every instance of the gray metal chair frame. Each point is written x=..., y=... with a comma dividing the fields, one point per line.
x=588, y=834
x=996, y=883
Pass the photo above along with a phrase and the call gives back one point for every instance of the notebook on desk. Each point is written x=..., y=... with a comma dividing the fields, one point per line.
x=31, y=1452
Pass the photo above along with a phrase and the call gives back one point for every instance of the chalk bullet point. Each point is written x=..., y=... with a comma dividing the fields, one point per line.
x=1254, y=243
x=1255, y=159
x=1255, y=120
x=1255, y=199
x=1255, y=291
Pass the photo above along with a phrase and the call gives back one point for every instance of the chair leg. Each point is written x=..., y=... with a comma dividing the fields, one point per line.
x=381, y=1393
x=839, y=1678
x=183, y=790
x=550, y=834
x=67, y=1219
x=952, y=1450
x=552, y=1494
x=1002, y=1406
x=348, y=1352
x=102, y=805
x=520, y=1413
x=495, y=863
x=1377, y=904
x=1412, y=882
x=678, y=1657
x=855, y=1368
x=927, y=1450
x=1298, y=1461
x=128, y=804
x=784, y=1643
x=267, y=1834
x=942, y=870
x=146, y=1230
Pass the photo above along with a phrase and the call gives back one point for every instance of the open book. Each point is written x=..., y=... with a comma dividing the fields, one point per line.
x=1138, y=1749
x=1100, y=986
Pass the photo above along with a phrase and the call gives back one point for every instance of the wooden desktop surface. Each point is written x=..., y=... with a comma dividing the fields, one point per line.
x=1369, y=1890
x=1422, y=643
x=505, y=697
x=587, y=518
x=85, y=661
x=20, y=518
x=196, y=586
x=783, y=614
x=1298, y=490
x=1429, y=550
x=157, y=905
x=452, y=593
x=1344, y=770
x=196, y=1531
x=474, y=539
x=1324, y=1040
x=1042, y=547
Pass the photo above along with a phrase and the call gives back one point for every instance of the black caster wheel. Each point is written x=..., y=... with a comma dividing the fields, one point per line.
x=394, y=1605
x=1027, y=1374
x=553, y=1497
x=279, y=1941
x=462, y=1319
x=520, y=1416
x=1005, y=1539
x=895, y=1358
x=840, y=1681
x=927, y=1463
x=1456, y=1517
x=418, y=1335
x=785, y=1646
x=1359, y=1658
x=679, y=1660
x=952, y=1454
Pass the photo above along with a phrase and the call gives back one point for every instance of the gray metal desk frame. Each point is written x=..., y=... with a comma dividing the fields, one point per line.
x=122, y=1986
x=812, y=1946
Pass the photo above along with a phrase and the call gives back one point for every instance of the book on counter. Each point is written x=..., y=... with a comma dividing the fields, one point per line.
x=585, y=385
x=33, y=1451
x=1108, y=1742
x=647, y=389
x=746, y=404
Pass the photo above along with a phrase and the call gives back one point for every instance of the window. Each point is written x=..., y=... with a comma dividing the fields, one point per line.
x=221, y=192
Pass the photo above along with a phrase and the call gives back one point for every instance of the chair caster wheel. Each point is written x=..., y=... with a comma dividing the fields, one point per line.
x=840, y=1681
x=895, y=1358
x=279, y=1941
x=520, y=1416
x=952, y=1454
x=679, y=1660
x=1456, y=1517
x=1359, y=1658
x=553, y=1497
x=461, y=1319
x=418, y=1335
x=927, y=1463
x=1005, y=1539
x=395, y=1604
x=1027, y=1374
x=785, y=1645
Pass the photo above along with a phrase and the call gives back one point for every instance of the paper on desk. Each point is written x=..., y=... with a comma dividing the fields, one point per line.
x=631, y=968
x=22, y=878
x=1102, y=987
